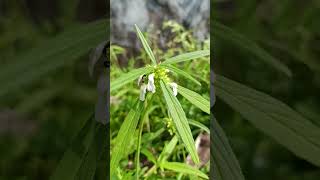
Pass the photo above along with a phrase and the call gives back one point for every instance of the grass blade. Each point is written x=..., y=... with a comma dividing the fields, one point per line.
x=128, y=77
x=180, y=121
x=224, y=164
x=195, y=98
x=146, y=46
x=183, y=168
x=183, y=73
x=186, y=57
x=273, y=117
x=125, y=134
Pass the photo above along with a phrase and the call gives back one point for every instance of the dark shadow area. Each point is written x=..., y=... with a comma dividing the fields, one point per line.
x=46, y=93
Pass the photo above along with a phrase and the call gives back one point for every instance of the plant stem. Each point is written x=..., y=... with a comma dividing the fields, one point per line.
x=144, y=116
x=151, y=170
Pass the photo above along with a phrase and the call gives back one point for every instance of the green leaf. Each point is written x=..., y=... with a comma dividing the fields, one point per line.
x=228, y=34
x=54, y=53
x=146, y=46
x=167, y=150
x=89, y=164
x=182, y=73
x=272, y=117
x=224, y=164
x=183, y=168
x=186, y=57
x=149, y=137
x=180, y=121
x=195, y=98
x=128, y=77
x=149, y=155
x=125, y=134
x=199, y=125
x=74, y=156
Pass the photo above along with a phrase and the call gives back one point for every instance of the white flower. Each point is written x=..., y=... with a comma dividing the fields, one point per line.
x=140, y=79
x=151, y=87
x=174, y=87
x=143, y=91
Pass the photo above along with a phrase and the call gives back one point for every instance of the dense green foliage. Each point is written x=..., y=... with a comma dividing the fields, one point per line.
x=151, y=137
x=270, y=46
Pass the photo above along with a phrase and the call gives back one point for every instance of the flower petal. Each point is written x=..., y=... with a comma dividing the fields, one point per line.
x=143, y=91
x=151, y=87
x=174, y=87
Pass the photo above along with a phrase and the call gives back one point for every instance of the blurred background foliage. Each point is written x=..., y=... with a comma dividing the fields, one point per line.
x=289, y=31
x=39, y=118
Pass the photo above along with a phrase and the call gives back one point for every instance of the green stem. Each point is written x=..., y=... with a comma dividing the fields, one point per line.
x=145, y=114
x=151, y=170
x=138, y=150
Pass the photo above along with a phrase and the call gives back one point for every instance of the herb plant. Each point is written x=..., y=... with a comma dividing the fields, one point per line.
x=156, y=91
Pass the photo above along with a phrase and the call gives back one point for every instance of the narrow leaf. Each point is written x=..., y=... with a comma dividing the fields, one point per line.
x=195, y=98
x=89, y=164
x=125, y=134
x=183, y=168
x=74, y=156
x=146, y=46
x=199, y=125
x=228, y=34
x=51, y=55
x=128, y=77
x=224, y=164
x=149, y=155
x=180, y=121
x=183, y=73
x=273, y=117
x=186, y=57
x=168, y=149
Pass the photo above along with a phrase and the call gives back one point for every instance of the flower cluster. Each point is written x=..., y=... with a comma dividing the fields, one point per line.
x=153, y=82
x=170, y=126
x=144, y=87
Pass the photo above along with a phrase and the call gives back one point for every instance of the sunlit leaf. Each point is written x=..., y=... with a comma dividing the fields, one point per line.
x=183, y=168
x=168, y=149
x=125, y=134
x=199, y=125
x=180, y=121
x=183, y=73
x=146, y=46
x=272, y=117
x=186, y=57
x=195, y=98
